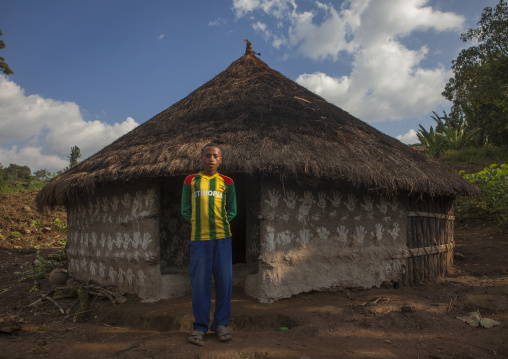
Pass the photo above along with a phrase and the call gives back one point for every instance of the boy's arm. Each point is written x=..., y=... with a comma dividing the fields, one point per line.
x=186, y=205
x=231, y=202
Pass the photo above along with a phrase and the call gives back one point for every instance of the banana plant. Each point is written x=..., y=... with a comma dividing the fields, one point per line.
x=457, y=137
x=450, y=132
x=431, y=141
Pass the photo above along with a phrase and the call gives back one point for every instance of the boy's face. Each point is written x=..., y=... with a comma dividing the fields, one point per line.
x=211, y=159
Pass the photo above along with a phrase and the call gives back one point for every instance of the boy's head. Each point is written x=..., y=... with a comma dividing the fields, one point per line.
x=211, y=144
x=211, y=157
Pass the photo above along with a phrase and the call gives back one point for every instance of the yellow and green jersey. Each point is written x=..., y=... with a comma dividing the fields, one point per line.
x=209, y=203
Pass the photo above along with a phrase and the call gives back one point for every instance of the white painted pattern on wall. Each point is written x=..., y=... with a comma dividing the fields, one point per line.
x=351, y=202
x=96, y=254
x=323, y=233
x=290, y=199
x=304, y=209
x=368, y=208
x=342, y=231
x=274, y=198
x=305, y=236
x=337, y=198
x=321, y=200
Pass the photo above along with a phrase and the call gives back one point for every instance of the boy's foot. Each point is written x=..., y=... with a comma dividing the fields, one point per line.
x=197, y=337
x=223, y=333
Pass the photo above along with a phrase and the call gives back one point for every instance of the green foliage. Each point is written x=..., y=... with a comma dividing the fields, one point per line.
x=429, y=139
x=43, y=266
x=4, y=68
x=16, y=186
x=73, y=158
x=42, y=174
x=457, y=137
x=479, y=88
x=450, y=133
x=15, y=178
x=62, y=227
x=491, y=154
x=493, y=202
x=15, y=235
x=36, y=222
x=16, y=172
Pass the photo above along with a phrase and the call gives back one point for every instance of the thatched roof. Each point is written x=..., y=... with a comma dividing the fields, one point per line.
x=265, y=123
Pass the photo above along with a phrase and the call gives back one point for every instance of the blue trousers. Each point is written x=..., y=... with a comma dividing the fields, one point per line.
x=207, y=258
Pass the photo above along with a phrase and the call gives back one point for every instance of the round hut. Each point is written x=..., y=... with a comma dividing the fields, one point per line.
x=324, y=200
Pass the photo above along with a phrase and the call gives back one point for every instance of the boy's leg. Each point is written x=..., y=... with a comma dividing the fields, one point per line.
x=201, y=257
x=223, y=274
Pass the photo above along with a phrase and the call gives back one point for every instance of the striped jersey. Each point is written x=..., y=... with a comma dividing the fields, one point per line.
x=209, y=203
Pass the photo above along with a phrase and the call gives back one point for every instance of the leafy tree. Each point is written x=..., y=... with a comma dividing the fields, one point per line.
x=73, y=157
x=479, y=88
x=42, y=174
x=17, y=172
x=4, y=68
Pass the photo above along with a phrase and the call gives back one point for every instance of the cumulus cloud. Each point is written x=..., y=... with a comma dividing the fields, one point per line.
x=387, y=80
x=40, y=132
x=409, y=138
x=32, y=157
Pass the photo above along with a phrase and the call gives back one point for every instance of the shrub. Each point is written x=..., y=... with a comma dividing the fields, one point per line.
x=493, y=201
x=62, y=227
x=15, y=235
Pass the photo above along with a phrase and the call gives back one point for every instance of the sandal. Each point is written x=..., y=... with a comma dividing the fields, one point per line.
x=223, y=333
x=197, y=337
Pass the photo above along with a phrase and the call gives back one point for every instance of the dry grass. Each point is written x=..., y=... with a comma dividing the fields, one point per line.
x=266, y=123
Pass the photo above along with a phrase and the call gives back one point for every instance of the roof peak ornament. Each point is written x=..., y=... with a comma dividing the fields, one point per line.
x=248, y=49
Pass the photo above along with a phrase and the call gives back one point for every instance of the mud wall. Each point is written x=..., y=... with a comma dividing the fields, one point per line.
x=175, y=230
x=314, y=238
x=113, y=238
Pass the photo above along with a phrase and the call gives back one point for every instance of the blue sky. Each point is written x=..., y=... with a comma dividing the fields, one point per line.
x=87, y=72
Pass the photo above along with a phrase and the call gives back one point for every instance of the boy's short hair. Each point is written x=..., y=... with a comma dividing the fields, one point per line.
x=211, y=144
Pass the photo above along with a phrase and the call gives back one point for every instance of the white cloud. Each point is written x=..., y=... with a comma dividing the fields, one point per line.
x=385, y=84
x=40, y=132
x=31, y=157
x=219, y=21
x=242, y=7
x=161, y=36
x=277, y=8
x=319, y=41
x=409, y=138
x=387, y=80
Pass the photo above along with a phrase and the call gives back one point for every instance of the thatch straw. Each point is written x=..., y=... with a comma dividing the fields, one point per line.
x=265, y=123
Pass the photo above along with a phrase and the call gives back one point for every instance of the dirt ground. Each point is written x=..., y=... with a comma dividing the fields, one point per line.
x=343, y=323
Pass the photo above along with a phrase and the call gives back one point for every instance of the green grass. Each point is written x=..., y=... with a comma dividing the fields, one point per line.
x=16, y=186
x=474, y=155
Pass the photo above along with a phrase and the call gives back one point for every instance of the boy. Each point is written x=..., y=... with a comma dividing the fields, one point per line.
x=209, y=203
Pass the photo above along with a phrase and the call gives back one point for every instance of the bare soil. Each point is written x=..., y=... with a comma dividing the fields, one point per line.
x=344, y=323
